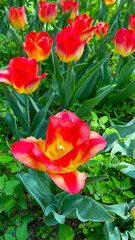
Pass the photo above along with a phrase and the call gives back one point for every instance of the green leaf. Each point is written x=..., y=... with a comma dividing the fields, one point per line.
x=9, y=237
x=126, y=71
x=82, y=83
x=8, y=204
x=3, y=146
x=16, y=107
x=21, y=232
x=1, y=182
x=65, y=232
x=10, y=186
x=123, y=94
x=11, y=122
x=129, y=170
x=129, y=194
x=18, y=42
x=58, y=77
x=70, y=83
x=90, y=180
x=89, y=104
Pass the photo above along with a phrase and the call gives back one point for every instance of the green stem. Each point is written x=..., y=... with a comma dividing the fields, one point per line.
x=118, y=69
x=27, y=109
x=22, y=35
x=37, y=91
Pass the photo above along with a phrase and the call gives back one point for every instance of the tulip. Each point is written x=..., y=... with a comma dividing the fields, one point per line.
x=82, y=25
x=110, y=2
x=101, y=27
x=67, y=5
x=124, y=42
x=17, y=17
x=69, y=144
x=69, y=47
x=38, y=45
x=131, y=24
x=22, y=74
x=47, y=12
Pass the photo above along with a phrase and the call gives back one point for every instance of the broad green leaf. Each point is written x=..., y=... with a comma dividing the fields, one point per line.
x=65, y=232
x=89, y=104
x=82, y=83
x=124, y=147
x=10, y=186
x=8, y=204
x=21, y=232
x=11, y=122
x=128, y=169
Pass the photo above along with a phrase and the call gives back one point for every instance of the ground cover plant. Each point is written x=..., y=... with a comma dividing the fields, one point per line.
x=67, y=126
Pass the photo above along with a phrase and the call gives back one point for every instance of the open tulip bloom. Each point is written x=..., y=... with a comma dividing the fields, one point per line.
x=22, y=74
x=101, y=27
x=38, y=45
x=131, y=24
x=17, y=17
x=82, y=25
x=69, y=144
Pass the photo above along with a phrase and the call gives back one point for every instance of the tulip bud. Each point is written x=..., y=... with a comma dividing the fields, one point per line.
x=17, y=17
x=110, y=2
x=124, y=42
x=47, y=12
x=103, y=27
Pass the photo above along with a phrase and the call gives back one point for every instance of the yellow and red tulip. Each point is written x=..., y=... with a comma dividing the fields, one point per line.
x=69, y=144
x=67, y=5
x=131, y=24
x=82, y=25
x=22, y=74
x=124, y=42
x=18, y=17
x=47, y=11
x=38, y=45
x=66, y=51
x=101, y=27
x=110, y=2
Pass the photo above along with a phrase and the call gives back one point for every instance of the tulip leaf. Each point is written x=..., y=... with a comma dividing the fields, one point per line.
x=18, y=42
x=127, y=169
x=16, y=107
x=123, y=94
x=92, y=179
x=70, y=83
x=82, y=83
x=58, y=80
x=40, y=118
x=66, y=206
x=126, y=71
x=11, y=122
x=89, y=104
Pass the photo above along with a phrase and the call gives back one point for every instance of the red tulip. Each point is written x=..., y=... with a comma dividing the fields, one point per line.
x=67, y=5
x=17, y=17
x=69, y=47
x=82, y=25
x=47, y=11
x=124, y=42
x=69, y=144
x=131, y=24
x=103, y=27
x=110, y=2
x=22, y=74
x=38, y=45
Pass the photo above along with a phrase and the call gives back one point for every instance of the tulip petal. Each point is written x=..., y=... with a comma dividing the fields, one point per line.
x=29, y=152
x=5, y=77
x=71, y=182
x=31, y=85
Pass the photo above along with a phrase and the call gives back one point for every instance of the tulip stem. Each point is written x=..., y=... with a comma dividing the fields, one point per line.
x=22, y=35
x=117, y=71
x=27, y=109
